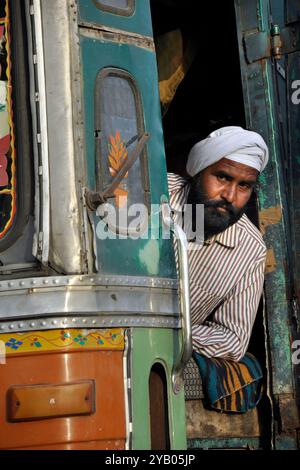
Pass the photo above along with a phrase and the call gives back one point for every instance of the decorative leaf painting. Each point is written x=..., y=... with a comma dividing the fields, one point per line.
x=117, y=154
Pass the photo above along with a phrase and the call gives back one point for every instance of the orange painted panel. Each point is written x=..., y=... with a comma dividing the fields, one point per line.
x=90, y=445
x=107, y=424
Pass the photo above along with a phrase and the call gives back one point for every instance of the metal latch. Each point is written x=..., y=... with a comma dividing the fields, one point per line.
x=280, y=41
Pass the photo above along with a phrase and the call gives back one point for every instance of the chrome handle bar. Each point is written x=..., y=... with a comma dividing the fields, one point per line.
x=184, y=289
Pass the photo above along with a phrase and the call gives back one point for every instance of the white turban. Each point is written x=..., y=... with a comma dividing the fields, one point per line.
x=232, y=142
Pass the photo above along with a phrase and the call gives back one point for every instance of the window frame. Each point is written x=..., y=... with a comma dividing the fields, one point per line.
x=129, y=11
x=120, y=73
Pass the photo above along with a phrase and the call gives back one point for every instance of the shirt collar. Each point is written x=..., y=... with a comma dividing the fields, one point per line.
x=229, y=238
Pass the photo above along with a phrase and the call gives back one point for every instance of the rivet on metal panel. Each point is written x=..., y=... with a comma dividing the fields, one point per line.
x=11, y=327
x=11, y=284
x=22, y=283
x=32, y=324
x=54, y=322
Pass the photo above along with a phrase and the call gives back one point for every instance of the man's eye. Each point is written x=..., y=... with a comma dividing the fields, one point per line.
x=221, y=178
x=245, y=186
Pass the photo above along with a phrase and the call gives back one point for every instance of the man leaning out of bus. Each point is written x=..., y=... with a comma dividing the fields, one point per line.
x=227, y=270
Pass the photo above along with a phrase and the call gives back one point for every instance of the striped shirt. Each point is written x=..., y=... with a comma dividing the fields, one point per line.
x=226, y=282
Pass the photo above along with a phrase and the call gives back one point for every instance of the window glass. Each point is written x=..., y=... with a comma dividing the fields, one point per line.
x=118, y=124
x=121, y=7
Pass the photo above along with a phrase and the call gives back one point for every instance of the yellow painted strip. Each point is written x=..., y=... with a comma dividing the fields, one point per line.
x=63, y=340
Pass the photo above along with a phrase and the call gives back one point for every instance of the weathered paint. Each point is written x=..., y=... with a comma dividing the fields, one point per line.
x=270, y=261
x=250, y=443
x=141, y=63
x=267, y=93
x=139, y=22
x=208, y=424
x=269, y=216
x=262, y=116
x=150, y=346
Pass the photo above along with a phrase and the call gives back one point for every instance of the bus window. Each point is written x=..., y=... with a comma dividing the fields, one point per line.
x=118, y=124
x=119, y=7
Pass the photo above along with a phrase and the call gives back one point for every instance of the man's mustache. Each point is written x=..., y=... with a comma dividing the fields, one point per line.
x=224, y=204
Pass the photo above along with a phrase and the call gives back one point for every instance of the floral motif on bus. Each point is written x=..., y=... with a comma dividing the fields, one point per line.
x=117, y=154
x=7, y=148
x=64, y=340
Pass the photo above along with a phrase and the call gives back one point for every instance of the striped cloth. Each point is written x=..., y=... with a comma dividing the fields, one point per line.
x=231, y=387
x=226, y=281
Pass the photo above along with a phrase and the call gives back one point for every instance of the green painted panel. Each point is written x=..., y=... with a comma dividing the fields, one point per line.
x=139, y=22
x=150, y=346
x=262, y=116
x=142, y=257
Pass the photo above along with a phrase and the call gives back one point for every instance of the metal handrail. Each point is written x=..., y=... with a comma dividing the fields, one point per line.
x=183, y=263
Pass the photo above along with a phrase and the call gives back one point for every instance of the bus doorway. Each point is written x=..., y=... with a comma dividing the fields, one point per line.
x=201, y=90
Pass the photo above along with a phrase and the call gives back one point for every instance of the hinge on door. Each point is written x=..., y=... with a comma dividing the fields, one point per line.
x=263, y=45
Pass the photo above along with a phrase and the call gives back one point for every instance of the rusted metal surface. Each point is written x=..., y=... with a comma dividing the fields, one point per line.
x=116, y=36
x=289, y=415
x=269, y=216
x=262, y=116
x=203, y=423
x=270, y=261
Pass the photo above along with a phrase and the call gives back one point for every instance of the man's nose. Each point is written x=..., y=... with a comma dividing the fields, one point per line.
x=229, y=193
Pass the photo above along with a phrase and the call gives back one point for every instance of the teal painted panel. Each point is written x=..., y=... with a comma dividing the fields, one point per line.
x=149, y=257
x=139, y=22
x=262, y=115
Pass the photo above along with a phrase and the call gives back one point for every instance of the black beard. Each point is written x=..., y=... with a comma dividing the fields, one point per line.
x=215, y=221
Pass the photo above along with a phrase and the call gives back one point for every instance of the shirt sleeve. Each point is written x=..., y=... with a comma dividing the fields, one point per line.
x=228, y=334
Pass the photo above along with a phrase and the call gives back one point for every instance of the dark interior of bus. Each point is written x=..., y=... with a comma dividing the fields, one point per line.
x=209, y=96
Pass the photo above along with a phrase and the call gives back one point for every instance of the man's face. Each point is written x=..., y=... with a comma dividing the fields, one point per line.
x=224, y=188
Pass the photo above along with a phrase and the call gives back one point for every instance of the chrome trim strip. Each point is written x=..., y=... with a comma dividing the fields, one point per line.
x=127, y=388
x=42, y=138
x=55, y=282
x=100, y=300
x=111, y=321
